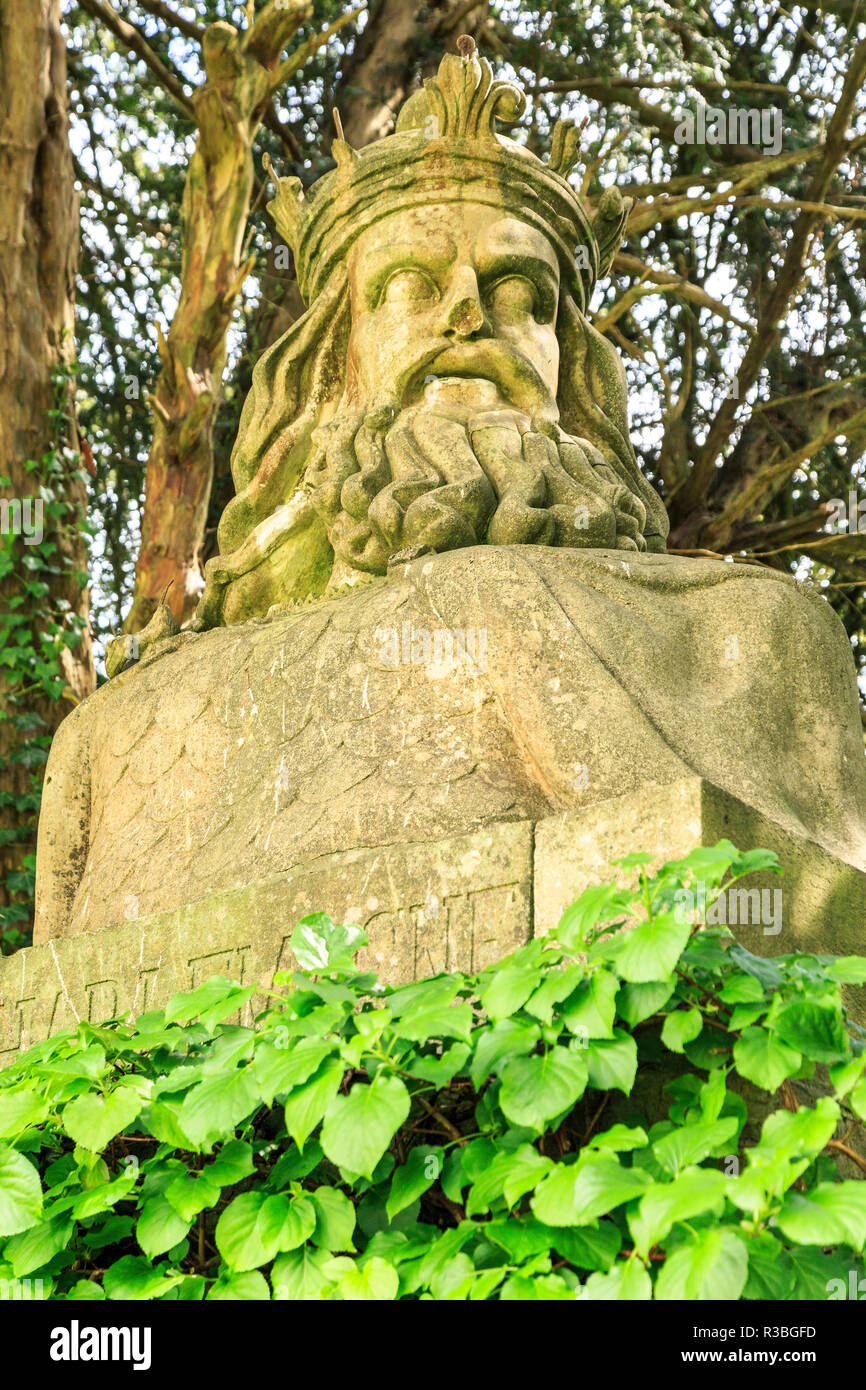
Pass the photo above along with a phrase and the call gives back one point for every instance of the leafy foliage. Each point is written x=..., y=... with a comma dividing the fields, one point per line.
x=31, y=659
x=442, y=1139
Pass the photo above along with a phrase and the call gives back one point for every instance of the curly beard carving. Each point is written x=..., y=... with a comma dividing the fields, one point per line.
x=383, y=481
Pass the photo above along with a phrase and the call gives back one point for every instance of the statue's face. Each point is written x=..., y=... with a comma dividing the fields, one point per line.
x=448, y=432
x=454, y=305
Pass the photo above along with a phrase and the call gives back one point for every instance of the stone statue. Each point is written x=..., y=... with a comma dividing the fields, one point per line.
x=445, y=388
x=443, y=599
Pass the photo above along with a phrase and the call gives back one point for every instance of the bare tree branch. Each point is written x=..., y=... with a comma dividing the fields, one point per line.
x=268, y=35
x=655, y=281
x=784, y=286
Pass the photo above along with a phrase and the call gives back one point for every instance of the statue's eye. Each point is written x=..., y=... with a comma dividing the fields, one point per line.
x=513, y=298
x=409, y=287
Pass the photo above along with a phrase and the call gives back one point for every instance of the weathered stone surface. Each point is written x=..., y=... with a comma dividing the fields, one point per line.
x=818, y=905
x=823, y=899
x=253, y=750
x=454, y=904
x=457, y=904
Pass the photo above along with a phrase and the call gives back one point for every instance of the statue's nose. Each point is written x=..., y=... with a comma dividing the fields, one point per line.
x=463, y=310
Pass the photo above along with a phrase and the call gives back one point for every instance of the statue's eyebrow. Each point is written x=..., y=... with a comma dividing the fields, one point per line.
x=497, y=265
x=433, y=254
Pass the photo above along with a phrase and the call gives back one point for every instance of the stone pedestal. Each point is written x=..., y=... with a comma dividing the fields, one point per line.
x=456, y=904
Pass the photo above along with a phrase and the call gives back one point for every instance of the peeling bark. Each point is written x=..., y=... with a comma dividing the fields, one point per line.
x=38, y=261
x=242, y=71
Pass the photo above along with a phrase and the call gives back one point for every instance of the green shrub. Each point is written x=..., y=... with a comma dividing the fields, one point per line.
x=444, y=1140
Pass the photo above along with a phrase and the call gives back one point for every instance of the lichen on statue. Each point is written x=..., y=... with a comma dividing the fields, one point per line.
x=444, y=388
x=444, y=434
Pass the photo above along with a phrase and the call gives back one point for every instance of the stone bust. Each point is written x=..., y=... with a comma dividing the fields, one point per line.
x=443, y=597
x=445, y=388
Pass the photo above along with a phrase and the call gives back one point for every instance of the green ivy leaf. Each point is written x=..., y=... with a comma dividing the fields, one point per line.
x=412, y=1178
x=86, y=1291
x=520, y=1237
x=249, y=1287
x=693, y=1142
x=439, y=1070
x=612, y=1064
x=511, y=1174
x=359, y=1127
x=826, y=1214
x=436, y=1018
x=212, y=1001
x=134, y=1279
x=508, y=988
x=758, y=1189
x=681, y=1027
x=319, y=944
x=627, y=1281
x=187, y=1195
x=301, y=1274
x=20, y=1193
x=771, y=1274
x=92, y=1121
x=536, y=1089
x=374, y=1281
x=558, y=985
x=19, y=1110
x=159, y=1227
x=798, y=1135
x=213, y=1108
x=494, y=1046
x=848, y=970
x=764, y=1059
x=715, y=1266
x=709, y=863
x=34, y=1248
x=335, y=1219
x=591, y=1009
x=814, y=1271
x=587, y=1247
x=845, y=1075
x=694, y=1191
x=574, y=1195
x=637, y=1002
x=279, y=1069
x=232, y=1163
x=650, y=951
x=255, y=1227
x=744, y=1015
x=619, y=1139
x=813, y=1029
x=596, y=904
x=306, y=1105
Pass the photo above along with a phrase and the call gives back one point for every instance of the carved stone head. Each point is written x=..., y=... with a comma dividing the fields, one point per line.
x=444, y=388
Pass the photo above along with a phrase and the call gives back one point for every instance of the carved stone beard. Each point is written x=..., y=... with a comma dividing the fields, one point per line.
x=445, y=474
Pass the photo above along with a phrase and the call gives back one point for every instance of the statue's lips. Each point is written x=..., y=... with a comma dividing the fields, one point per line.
x=468, y=390
x=487, y=363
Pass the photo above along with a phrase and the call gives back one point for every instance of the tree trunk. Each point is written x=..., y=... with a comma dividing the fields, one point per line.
x=242, y=74
x=401, y=40
x=42, y=595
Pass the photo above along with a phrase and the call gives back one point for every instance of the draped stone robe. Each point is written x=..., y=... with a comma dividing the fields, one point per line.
x=243, y=752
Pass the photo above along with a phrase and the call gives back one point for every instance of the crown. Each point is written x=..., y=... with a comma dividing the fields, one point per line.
x=446, y=148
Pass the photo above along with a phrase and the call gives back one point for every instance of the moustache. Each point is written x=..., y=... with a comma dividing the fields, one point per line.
x=488, y=359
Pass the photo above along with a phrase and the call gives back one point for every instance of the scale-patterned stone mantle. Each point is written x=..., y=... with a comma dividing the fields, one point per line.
x=456, y=904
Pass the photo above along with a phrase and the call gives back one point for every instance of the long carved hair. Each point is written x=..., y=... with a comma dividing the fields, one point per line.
x=273, y=543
